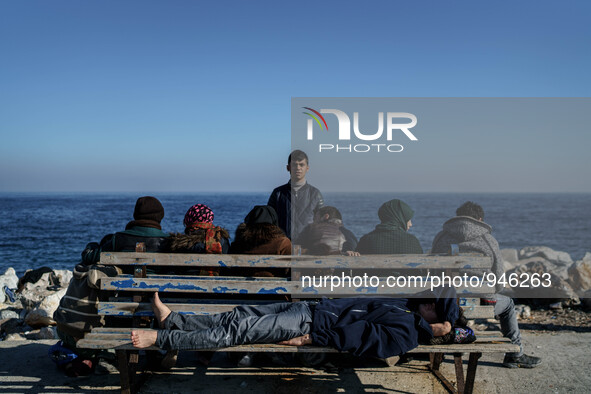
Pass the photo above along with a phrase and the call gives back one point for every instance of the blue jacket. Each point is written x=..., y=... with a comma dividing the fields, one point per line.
x=377, y=327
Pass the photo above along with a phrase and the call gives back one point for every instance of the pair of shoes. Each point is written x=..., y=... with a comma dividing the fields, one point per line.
x=523, y=361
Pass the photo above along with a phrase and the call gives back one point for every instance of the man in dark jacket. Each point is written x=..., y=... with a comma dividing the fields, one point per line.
x=377, y=327
x=391, y=235
x=145, y=228
x=472, y=235
x=295, y=201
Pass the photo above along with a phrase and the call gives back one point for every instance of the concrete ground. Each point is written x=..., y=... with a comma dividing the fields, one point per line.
x=26, y=368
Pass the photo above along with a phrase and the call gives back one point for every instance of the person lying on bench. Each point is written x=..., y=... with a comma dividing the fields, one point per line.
x=378, y=327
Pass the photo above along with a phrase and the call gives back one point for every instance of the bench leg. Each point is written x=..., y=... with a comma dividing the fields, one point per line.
x=459, y=372
x=471, y=373
x=436, y=360
x=128, y=363
x=124, y=372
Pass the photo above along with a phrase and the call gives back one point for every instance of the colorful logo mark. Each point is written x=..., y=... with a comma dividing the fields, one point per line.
x=315, y=118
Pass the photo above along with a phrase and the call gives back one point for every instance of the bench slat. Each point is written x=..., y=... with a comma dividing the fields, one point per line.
x=485, y=345
x=145, y=309
x=279, y=286
x=411, y=261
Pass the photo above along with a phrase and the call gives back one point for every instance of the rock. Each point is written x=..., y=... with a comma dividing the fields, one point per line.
x=14, y=337
x=33, y=293
x=558, y=258
x=523, y=311
x=42, y=315
x=510, y=255
x=587, y=256
x=556, y=306
x=579, y=275
x=47, y=333
x=9, y=314
x=550, y=286
x=8, y=279
x=65, y=276
x=12, y=326
x=549, y=266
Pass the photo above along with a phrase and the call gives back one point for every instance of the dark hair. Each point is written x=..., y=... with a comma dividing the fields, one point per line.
x=471, y=209
x=449, y=337
x=297, y=155
x=333, y=213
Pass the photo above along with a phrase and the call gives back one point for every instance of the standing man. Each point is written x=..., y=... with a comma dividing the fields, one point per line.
x=472, y=235
x=296, y=201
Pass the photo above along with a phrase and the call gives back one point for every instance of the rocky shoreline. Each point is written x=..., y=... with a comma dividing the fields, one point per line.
x=26, y=308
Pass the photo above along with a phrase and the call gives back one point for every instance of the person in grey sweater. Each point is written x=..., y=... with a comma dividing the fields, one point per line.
x=473, y=235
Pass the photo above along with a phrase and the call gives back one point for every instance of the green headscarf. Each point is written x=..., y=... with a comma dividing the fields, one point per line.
x=394, y=215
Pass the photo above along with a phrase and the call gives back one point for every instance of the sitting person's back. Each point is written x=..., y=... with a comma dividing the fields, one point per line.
x=77, y=312
x=145, y=228
x=260, y=234
x=201, y=236
x=327, y=234
x=391, y=235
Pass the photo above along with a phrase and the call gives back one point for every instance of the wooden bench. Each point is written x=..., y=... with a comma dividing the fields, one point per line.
x=127, y=298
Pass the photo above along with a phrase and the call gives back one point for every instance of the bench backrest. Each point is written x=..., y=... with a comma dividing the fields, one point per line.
x=174, y=277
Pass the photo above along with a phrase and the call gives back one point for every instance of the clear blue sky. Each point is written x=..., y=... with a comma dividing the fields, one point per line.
x=195, y=96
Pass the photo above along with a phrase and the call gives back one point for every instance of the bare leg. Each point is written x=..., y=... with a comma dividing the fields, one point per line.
x=143, y=338
x=161, y=311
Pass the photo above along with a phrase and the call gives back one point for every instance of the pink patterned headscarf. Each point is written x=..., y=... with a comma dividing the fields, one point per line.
x=198, y=213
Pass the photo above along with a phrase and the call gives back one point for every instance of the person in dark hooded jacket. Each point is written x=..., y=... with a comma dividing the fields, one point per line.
x=472, y=235
x=391, y=235
x=376, y=327
x=145, y=228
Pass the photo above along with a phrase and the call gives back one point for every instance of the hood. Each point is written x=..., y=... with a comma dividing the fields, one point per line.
x=250, y=236
x=465, y=228
x=394, y=214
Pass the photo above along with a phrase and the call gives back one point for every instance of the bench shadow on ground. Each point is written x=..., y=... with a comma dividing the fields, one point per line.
x=267, y=375
x=25, y=367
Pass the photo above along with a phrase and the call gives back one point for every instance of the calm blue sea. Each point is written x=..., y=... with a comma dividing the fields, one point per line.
x=52, y=229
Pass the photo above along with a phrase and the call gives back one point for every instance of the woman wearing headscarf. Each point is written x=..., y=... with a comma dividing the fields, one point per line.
x=391, y=235
x=201, y=235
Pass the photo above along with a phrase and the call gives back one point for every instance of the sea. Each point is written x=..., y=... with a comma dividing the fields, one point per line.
x=52, y=229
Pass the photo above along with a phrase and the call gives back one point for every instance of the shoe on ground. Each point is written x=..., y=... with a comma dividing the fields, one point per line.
x=523, y=361
x=169, y=360
x=246, y=360
x=105, y=367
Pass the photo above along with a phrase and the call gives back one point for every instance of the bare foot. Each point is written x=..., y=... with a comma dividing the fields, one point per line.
x=298, y=341
x=161, y=311
x=143, y=338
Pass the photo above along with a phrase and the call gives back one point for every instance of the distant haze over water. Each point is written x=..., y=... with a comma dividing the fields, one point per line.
x=52, y=229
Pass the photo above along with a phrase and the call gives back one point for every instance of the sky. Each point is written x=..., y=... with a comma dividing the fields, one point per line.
x=195, y=96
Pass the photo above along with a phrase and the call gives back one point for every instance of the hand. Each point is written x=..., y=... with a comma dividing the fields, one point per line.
x=298, y=341
x=440, y=329
x=352, y=253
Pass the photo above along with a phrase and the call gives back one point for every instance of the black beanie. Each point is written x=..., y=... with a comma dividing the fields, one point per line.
x=261, y=214
x=148, y=208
